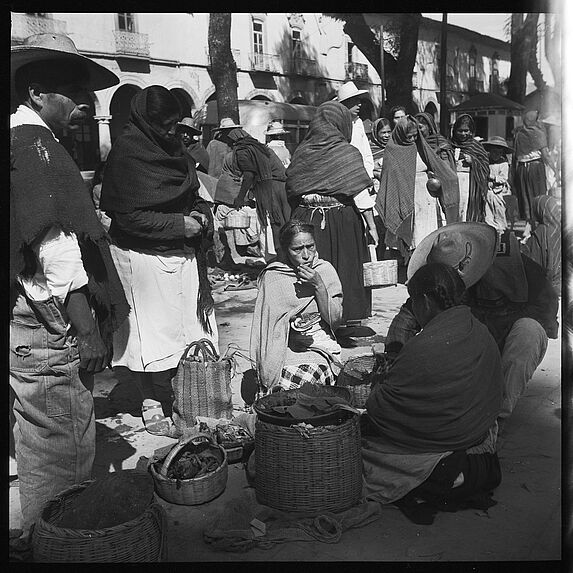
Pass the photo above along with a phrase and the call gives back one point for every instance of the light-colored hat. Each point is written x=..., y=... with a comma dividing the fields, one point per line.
x=59, y=47
x=469, y=248
x=551, y=120
x=498, y=141
x=227, y=123
x=187, y=123
x=275, y=128
x=348, y=90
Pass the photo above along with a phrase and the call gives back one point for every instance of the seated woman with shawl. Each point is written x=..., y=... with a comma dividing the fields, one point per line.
x=159, y=226
x=472, y=165
x=327, y=185
x=407, y=209
x=430, y=431
x=298, y=306
x=264, y=176
x=440, y=144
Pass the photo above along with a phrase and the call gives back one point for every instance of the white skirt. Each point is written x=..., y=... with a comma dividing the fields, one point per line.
x=162, y=293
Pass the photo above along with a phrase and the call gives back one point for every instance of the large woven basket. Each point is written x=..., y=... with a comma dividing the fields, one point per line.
x=379, y=273
x=237, y=220
x=140, y=540
x=190, y=491
x=308, y=472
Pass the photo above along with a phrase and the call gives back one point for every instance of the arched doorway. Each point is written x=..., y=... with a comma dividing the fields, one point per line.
x=185, y=101
x=119, y=109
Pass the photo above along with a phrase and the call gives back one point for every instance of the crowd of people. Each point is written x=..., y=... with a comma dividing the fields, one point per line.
x=120, y=279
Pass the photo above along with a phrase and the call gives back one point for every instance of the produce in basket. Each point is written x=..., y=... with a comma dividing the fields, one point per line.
x=192, y=462
x=109, y=501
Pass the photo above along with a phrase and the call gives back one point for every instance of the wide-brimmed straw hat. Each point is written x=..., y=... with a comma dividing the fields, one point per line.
x=348, y=90
x=276, y=128
x=59, y=47
x=469, y=248
x=188, y=123
x=227, y=123
x=498, y=141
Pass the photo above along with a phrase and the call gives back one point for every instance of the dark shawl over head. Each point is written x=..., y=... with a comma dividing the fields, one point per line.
x=544, y=245
x=325, y=162
x=378, y=145
x=251, y=154
x=47, y=190
x=444, y=390
x=145, y=170
x=440, y=144
x=531, y=136
x=479, y=170
x=395, y=199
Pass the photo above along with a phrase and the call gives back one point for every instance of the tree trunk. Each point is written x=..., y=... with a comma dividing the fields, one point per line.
x=553, y=45
x=533, y=67
x=397, y=71
x=222, y=67
x=523, y=46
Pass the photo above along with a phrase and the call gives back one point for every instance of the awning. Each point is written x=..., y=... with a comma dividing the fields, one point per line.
x=488, y=101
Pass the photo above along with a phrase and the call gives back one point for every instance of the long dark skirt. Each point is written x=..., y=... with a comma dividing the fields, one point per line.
x=342, y=243
x=530, y=181
x=271, y=200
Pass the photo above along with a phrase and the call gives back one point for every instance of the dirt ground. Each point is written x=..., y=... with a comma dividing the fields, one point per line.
x=525, y=525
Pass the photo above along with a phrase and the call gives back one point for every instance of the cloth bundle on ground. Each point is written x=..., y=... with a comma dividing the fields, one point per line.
x=147, y=172
x=395, y=199
x=46, y=190
x=327, y=143
x=280, y=299
x=544, y=244
x=243, y=524
x=479, y=169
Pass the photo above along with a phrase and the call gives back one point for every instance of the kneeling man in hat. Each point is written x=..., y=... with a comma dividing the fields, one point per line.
x=506, y=290
x=66, y=297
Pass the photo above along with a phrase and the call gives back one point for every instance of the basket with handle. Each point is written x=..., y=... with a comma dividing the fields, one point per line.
x=237, y=219
x=142, y=539
x=194, y=491
x=379, y=273
x=202, y=385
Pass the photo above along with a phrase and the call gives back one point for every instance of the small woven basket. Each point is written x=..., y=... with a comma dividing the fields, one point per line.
x=379, y=273
x=189, y=491
x=358, y=375
x=308, y=472
x=237, y=220
x=142, y=539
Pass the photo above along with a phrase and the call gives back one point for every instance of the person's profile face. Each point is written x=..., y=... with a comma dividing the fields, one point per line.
x=65, y=106
x=424, y=128
x=353, y=104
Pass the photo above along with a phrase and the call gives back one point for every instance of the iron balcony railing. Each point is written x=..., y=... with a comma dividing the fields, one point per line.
x=131, y=43
x=304, y=66
x=24, y=25
x=264, y=62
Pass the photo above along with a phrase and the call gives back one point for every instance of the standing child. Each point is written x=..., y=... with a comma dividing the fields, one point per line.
x=498, y=183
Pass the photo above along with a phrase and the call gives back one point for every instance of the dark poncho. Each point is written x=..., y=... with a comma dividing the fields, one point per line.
x=395, y=199
x=325, y=162
x=444, y=390
x=47, y=190
x=479, y=170
x=145, y=170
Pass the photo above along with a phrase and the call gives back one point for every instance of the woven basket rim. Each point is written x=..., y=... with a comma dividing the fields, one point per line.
x=59, y=498
x=188, y=481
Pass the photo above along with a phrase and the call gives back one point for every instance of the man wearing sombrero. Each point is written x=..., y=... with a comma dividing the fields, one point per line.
x=189, y=135
x=506, y=290
x=66, y=297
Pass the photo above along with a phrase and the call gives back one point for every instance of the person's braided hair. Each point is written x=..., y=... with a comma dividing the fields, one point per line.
x=440, y=282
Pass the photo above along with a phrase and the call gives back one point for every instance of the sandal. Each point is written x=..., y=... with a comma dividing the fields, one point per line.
x=155, y=421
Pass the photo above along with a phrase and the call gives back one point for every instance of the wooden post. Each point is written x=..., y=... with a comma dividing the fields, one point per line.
x=382, y=107
x=444, y=115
